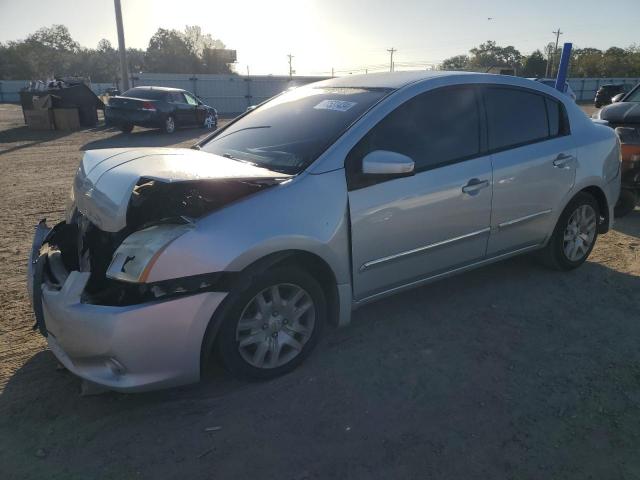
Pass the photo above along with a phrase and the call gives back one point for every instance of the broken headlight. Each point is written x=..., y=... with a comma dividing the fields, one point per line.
x=136, y=255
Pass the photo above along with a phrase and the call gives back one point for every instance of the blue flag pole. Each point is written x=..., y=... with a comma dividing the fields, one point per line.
x=564, y=66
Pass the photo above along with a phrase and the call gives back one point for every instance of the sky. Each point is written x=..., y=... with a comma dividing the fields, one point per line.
x=346, y=35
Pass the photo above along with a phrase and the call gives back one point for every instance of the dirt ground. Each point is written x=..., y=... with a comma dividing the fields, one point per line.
x=510, y=371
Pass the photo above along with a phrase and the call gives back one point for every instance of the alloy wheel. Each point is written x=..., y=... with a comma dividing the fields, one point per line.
x=275, y=325
x=580, y=233
x=169, y=125
x=209, y=121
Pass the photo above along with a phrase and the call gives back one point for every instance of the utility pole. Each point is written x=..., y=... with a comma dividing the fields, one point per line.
x=557, y=33
x=391, y=52
x=291, y=72
x=124, y=71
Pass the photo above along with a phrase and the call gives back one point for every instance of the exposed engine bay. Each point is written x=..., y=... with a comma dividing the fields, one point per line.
x=80, y=245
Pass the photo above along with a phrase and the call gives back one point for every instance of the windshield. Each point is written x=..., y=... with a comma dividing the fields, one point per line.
x=289, y=132
x=634, y=96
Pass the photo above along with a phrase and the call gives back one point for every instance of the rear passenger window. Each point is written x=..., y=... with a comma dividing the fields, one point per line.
x=515, y=117
x=435, y=128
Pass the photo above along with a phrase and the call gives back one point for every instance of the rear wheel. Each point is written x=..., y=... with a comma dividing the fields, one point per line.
x=126, y=128
x=273, y=325
x=575, y=234
x=626, y=203
x=169, y=124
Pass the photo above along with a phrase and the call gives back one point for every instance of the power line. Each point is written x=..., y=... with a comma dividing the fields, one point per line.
x=552, y=58
x=123, y=51
x=391, y=52
x=291, y=71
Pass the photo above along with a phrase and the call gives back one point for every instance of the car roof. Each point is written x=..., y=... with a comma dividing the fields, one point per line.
x=391, y=80
x=161, y=89
x=546, y=81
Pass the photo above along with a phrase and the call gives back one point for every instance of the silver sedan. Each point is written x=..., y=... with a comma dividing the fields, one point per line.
x=314, y=203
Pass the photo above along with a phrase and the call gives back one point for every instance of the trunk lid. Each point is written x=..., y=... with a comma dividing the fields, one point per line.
x=127, y=103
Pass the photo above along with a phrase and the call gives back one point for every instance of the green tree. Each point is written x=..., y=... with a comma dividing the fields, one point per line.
x=489, y=54
x=56, y=37
x=534, y=65
x=586, y=62
x=616, y=62
x=168, y=52
x=458, y=62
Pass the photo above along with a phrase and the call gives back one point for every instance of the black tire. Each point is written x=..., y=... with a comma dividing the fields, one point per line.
x=227, y=345
x=626, y=203
x=211, y=126
x=169, y=125
x=126, y=128
x=553, y=255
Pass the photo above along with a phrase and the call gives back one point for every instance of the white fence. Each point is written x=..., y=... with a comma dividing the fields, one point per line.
x=231, y=94
x=586, y=88
x=227, y=93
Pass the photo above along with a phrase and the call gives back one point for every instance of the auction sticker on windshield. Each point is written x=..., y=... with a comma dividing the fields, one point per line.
x=337, y=105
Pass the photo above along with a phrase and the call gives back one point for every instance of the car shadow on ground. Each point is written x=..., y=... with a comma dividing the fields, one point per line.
x=146, y=137
x=505, y=362
x=29, y=137
x=629, y=224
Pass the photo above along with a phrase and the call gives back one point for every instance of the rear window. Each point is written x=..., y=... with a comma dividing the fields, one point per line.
x=515, y=117
x=145, y=93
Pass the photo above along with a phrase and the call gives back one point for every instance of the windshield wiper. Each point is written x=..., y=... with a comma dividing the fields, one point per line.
x=240, y=130
x=242, y=160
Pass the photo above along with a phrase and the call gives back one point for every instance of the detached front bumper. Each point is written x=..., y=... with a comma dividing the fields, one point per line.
x=126, y=348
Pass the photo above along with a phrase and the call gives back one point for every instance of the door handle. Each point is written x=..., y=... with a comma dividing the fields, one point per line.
x=563, y=160
x=475, y=185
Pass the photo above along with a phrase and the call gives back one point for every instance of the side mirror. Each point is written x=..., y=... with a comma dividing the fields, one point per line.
x=383, y=162
x=617, y=98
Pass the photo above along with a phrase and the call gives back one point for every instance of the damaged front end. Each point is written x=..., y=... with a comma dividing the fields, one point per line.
x=118, y=263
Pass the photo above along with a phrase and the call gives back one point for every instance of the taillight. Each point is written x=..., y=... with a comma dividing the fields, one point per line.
x=630, y=153
x=148, y=107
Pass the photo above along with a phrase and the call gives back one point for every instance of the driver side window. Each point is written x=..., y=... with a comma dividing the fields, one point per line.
x=435, y=128
x=190, y=99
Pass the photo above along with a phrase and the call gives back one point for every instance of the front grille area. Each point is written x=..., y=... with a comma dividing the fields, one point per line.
x=94, y=249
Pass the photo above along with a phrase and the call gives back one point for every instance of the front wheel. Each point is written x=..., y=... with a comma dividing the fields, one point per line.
x=126, y=128
x=270, y=327
x=575, y=234
x=209, y=121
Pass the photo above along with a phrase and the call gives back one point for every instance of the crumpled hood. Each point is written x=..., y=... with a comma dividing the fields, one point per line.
x=624, y=112
x=106, y=178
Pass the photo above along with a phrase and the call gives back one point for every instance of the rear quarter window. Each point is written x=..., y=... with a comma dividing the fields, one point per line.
x=558, y=119
x=145, y=94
